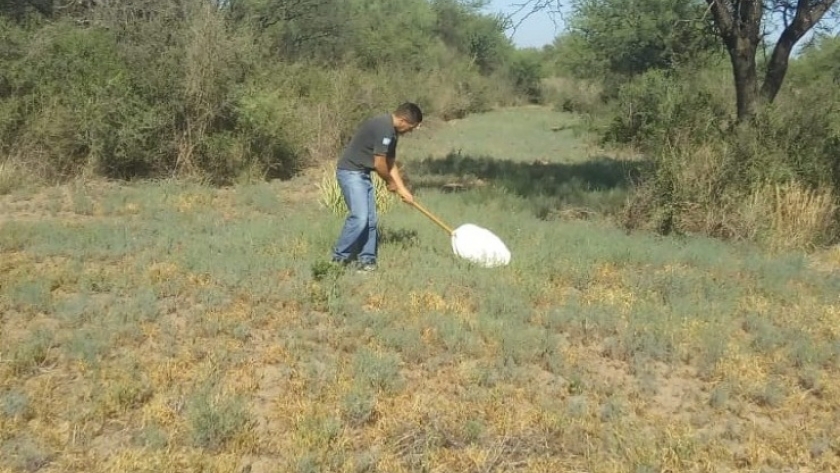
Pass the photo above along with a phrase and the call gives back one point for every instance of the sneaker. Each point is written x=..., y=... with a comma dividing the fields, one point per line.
x=366, y=268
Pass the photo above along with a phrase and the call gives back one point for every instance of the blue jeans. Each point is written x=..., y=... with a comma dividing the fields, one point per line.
x=359, y=233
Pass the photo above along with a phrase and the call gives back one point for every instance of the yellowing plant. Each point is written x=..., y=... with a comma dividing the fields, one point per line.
x=331, y=198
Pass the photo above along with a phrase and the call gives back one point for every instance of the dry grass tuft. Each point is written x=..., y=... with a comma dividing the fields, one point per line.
x=792, y=215
x=330, y=193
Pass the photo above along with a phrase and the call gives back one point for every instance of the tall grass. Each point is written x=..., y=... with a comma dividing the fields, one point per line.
x=12, y=176
x=331, y=198
x=791, y=215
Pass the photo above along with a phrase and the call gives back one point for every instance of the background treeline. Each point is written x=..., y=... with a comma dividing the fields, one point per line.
x=233, y=89
x=655, y=75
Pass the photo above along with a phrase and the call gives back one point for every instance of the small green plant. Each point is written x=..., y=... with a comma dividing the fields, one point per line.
x=320, y=430
x=325, y=270
x=215, y=420
x=455, y=335
x=124, y=393
x=519, y=344
x=324, y=290
x=15, y=404
x=577, y=407
x=720, y=396
x=152, y=437
x=772, y=394
x=358, y=406
x=33, y=351
x=407, y=340
x=140, y=307
x=380, y=371
x=87, y=345
x=33, y=295
x=474, y=430
x=612, y=410
x=24, y=454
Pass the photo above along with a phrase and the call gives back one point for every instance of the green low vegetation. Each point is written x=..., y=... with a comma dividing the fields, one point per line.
x=172, y=326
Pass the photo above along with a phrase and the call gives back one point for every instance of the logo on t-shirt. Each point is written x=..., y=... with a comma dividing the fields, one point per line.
x=386, y=141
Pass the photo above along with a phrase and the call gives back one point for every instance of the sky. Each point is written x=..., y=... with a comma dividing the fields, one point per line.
x=537, y=30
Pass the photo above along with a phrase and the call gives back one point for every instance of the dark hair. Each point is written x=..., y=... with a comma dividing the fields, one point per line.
x=411, y=112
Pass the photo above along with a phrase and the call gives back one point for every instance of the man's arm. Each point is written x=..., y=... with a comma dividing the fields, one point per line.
x=382, y=168
x=387, y=169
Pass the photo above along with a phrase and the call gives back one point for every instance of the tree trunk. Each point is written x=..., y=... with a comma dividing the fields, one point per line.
x=739, y=24
x=805, y=18
x=742, y=54
x=778, y=66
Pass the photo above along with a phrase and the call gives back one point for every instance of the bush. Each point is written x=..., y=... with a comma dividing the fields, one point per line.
x=773, y=180
x=657, y=103
x=573, y=95
x=69, y=92
x=526, y=74
x=187, y=89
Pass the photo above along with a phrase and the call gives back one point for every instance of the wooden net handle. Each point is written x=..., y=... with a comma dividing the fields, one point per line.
x=433, y=218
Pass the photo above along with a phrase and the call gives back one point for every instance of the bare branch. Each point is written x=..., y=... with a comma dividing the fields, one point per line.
x=531, y=7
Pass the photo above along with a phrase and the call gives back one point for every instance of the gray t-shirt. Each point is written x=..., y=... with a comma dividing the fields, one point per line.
x=374, y=136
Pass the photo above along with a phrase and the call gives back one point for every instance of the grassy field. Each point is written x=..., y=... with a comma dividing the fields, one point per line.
x=172, y=327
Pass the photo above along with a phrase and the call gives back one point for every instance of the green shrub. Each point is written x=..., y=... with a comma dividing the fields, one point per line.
x=649, y=108
x=772, y=180
x=526, y=74
x=211, y=94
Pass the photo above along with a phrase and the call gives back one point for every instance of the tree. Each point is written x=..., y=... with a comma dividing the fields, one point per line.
x=740, y=26
x=461, y=26
x=623, y=38
x=312, y=29
x=739, y=23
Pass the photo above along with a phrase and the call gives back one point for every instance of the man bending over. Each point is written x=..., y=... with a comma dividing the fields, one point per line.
x=372, y=149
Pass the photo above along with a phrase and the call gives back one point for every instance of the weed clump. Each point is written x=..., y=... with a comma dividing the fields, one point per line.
x=215, y=420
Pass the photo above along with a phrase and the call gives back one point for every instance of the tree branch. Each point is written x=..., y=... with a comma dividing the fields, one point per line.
x=807, y=15
x=723, y=17
x=533, y=6
x=751, y=16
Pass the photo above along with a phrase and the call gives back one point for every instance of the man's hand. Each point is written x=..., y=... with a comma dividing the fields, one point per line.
x=388, y=170
x=405, y=195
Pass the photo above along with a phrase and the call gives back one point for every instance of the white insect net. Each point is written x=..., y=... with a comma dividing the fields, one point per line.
x=480, y=246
